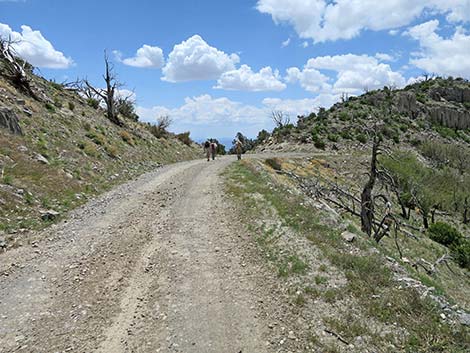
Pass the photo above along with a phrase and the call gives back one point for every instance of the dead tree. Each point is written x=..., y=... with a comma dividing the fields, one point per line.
x=108, y=94
x=280, y=118
x=15, y=68
x=367, y=202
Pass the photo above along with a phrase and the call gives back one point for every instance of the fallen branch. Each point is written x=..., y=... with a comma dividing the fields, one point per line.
x=337, y=336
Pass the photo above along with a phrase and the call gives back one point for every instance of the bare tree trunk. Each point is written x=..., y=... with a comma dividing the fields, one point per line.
x=367, y=203
x=425, y=221
x=108, y=94
x=111, y=85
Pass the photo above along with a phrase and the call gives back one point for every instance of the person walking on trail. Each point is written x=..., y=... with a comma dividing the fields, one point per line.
x=238, y=148
x=207, y=149
x=213, y=150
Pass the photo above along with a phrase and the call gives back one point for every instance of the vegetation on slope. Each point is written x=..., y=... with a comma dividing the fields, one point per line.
x=347, y=296
x=69, y=151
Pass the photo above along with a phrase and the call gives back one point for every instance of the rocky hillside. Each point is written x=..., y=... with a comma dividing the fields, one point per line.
x=58, y=150
x=436, y=108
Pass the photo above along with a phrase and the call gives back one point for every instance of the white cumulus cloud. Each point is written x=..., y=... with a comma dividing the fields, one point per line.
x=354, y=73
x=146, y=56
x=34, y=48
x=244, y=79
x=207, y=116
x=384, y=57
x=323, y=20
x=438, y=55
x=309, y=78
x=295, y=107
x=194, y=59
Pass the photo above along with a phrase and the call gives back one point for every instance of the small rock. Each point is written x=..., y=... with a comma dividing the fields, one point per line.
x=291, y=335
x=464, y=319
x=348, y=236
x=40, y=158
x=49, y=215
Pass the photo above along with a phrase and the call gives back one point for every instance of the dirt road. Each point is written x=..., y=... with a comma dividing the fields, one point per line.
x=156, y=265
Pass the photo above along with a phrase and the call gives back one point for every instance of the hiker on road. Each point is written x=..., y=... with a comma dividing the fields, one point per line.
x=213, y=150
x=207, y=149
x=238, y=148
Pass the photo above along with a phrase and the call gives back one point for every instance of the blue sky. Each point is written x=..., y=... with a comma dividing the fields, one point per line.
x=218, y=67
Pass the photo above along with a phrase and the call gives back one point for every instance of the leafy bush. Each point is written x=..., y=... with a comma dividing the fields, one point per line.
x=446, y=132
x=56, y=85
x=345, y=134
x=96, y=137
x=57, y=103
x=184, y=137
x=333, y=137
x=461, y=253
x=320, y=144
x=343, y=116
x=8, y=180
x=274, y=163
x=263, y=135
x=420, y=97
x=50, y=107
x=362, y=138
x=444, y=234
x=126, y=108
x=92, y=102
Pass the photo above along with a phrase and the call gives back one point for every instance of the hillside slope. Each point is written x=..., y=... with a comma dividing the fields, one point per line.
x=433, y=109
x=58, y=151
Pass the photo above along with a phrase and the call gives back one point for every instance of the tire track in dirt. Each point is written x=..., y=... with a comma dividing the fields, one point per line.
x=153, y=266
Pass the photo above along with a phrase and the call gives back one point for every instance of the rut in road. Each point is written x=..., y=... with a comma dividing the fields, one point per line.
x=156, y=265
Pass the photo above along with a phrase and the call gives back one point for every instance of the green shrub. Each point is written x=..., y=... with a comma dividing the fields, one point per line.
x=184, y=137
x=345, y=134
x=362, y=138
x=343, y=116
x=274, y=163
x=320, y=144
x=444, y=234
x=8, y=180
x=57, y=86
x=126, y=108
x=92, y=102
x=49, y=107
x=420, y=97
x=333, y=137
x=97, y=138
x=57, y=103
x=461, y=253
